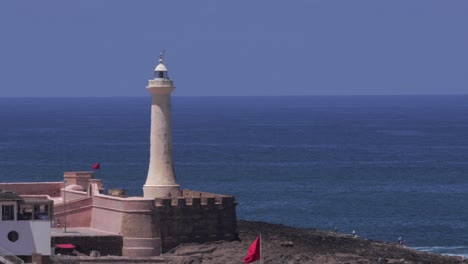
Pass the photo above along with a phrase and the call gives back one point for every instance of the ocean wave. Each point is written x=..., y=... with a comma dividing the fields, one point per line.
x=449, y=251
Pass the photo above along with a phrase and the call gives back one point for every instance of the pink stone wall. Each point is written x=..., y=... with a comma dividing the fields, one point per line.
x=70, y=195
x=78, y=213
x=130, y=217
x=34, y=188
x=109, y=211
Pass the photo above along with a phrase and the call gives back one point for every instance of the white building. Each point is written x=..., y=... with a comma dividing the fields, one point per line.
x=25, y=225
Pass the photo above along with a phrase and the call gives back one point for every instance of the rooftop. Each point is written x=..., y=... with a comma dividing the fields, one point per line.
x=80, y=231
x=9, y=196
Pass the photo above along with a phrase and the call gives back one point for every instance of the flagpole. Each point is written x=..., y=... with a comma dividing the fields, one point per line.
x=65, y=203
x=261, y=243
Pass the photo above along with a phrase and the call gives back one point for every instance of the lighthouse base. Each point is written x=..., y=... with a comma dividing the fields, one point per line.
x=150, y=191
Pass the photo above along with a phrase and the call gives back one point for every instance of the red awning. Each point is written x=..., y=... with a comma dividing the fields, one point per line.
x=65, y=246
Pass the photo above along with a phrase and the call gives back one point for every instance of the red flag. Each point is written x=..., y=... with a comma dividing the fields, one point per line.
x=254, y=251
x=96, y=166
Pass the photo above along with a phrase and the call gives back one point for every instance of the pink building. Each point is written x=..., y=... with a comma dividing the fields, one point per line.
x=139, y=226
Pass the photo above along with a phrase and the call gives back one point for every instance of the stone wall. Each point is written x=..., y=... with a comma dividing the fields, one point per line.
x=34, y=188
x=106, y=245
x=78, y=214
x=183, y=220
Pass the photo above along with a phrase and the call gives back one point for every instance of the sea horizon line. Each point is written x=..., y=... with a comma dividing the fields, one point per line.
x=242, y=96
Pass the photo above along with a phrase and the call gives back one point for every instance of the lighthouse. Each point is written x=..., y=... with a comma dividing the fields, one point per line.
x=161, y=179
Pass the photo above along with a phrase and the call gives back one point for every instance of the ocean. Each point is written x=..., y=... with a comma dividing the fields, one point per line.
x=384, y=166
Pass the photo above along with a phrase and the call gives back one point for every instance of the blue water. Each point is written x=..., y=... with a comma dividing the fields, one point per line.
x=385, y=166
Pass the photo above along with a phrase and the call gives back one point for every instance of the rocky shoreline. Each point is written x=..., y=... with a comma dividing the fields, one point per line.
x=283, y=244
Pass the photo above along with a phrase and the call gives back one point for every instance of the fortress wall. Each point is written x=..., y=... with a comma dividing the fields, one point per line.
x=98, y=183
x=147, y=226
x=80, y=178
x=194, y=194
x=106, y=245
x=183, y=220
x=108, y=211
x=141, y=235
x=133, y=219
x=32, y=188
x=106, y=220
x=134, y=204
x=78, y=213
x=107, y=214
x=70, y=195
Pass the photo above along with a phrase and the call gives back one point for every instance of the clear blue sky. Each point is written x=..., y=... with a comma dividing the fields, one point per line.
x=110, y=47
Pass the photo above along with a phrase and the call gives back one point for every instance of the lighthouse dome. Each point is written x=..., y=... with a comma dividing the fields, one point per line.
x=161, y=67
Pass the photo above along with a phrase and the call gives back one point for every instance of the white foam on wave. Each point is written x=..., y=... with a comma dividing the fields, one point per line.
x=461, y=251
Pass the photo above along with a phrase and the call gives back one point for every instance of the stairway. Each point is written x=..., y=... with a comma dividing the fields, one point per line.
x=9, y=258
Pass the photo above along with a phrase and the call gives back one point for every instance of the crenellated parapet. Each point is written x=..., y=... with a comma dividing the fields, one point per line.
x=197, y=200
x=195, y=217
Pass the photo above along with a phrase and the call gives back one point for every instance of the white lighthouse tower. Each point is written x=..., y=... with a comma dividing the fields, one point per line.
x=161, y=179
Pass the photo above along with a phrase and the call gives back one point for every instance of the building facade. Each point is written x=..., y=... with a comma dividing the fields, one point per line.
x=25, y=225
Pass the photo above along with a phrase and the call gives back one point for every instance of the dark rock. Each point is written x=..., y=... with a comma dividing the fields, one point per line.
x=309, y=246
x=287, y=244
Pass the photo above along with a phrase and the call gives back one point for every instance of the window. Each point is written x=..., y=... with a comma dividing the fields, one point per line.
x=25, y=212
x=13, y=236
x=8, y=212
x=41, y=212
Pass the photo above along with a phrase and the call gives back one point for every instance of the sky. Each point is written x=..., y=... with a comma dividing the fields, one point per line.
x=234, y=48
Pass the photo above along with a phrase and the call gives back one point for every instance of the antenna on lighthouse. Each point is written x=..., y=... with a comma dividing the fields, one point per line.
x=161, y=55
x=160, y=71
